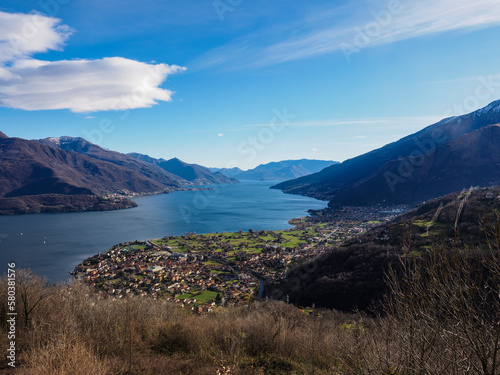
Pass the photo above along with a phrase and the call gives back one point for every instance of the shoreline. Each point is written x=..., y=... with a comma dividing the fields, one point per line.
x=60, y=203
x=207, y=271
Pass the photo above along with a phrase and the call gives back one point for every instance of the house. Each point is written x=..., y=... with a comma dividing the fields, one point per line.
x=155, y=269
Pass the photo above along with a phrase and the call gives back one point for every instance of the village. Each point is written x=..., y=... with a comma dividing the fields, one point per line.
x=204, y=272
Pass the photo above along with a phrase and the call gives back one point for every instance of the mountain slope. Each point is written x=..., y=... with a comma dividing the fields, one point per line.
x=193, y=173
x=353, y=275
x=84, y=147
x=471, y=160
x=31, y=171
x=338, y=182
x=146, y=158
x=282, y=170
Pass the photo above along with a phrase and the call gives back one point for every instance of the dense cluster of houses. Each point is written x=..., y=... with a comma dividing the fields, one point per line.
x=209, y=270
x=159, y=272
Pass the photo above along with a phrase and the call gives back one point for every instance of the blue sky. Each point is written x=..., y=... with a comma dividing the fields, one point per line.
x=238, y=83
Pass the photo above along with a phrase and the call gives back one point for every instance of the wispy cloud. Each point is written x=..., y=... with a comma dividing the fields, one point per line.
x=113, y=83
x=389, y=121
x=461, y=80
x=322, y=36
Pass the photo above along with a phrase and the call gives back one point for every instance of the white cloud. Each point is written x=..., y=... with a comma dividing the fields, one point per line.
x=85, y=85
x=220, y=135
x=322, y=36
x=22, y=35
x=315, y=149
x=113, y=83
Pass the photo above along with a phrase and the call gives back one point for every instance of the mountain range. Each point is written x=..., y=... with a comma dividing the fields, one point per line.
x=38, y=178
x=83, y=147
x=450, y=155
x=191, y=173
x=281, y=170
x=72, y=174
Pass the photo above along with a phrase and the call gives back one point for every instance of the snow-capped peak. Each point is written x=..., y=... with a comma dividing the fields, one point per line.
x=54, y=140
x=67, y=138
x=493, y=107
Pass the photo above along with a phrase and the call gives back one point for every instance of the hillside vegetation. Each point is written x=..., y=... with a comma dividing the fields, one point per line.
x=352, y=276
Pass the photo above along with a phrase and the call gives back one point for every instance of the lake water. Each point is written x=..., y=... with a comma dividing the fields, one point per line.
x=53, y=244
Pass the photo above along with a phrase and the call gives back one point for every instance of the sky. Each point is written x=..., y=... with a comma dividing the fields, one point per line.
x=227, y=83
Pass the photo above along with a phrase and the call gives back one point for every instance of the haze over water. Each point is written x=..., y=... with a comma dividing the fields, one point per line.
x=53, y=244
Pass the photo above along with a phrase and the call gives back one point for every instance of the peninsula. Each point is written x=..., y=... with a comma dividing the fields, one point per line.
x=203, y=272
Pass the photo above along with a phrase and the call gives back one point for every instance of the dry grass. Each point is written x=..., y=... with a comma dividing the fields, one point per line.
x=64, y=356
x=443, y=318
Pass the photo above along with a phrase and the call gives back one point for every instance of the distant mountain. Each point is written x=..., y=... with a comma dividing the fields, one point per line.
x=282, y=170
x=229, y=172
x=193, y=173
x=82, y=146
x=452, y=154
x=35, y=177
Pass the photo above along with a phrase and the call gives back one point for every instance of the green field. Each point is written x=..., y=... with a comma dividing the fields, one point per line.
x=211, y=263
x=202, y=297
x=247, y=242
x=137, y=247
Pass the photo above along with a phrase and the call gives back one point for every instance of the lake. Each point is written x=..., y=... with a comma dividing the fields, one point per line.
x=53, y=244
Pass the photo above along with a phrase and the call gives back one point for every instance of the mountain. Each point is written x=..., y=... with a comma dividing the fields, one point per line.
x=194, y=174
x=353, y=275
x=172, y=172
x=470, y=160
x=82, y=146
x=146, y=158
x=282, y=170
x=72, y=174
x=35, y=177
x=454, y=153
x=229, y=172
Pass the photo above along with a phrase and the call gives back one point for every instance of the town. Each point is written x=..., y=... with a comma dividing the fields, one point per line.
x=204, y=272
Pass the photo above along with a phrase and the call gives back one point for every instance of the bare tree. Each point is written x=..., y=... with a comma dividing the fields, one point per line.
x=31, y=290
x=446, y=308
